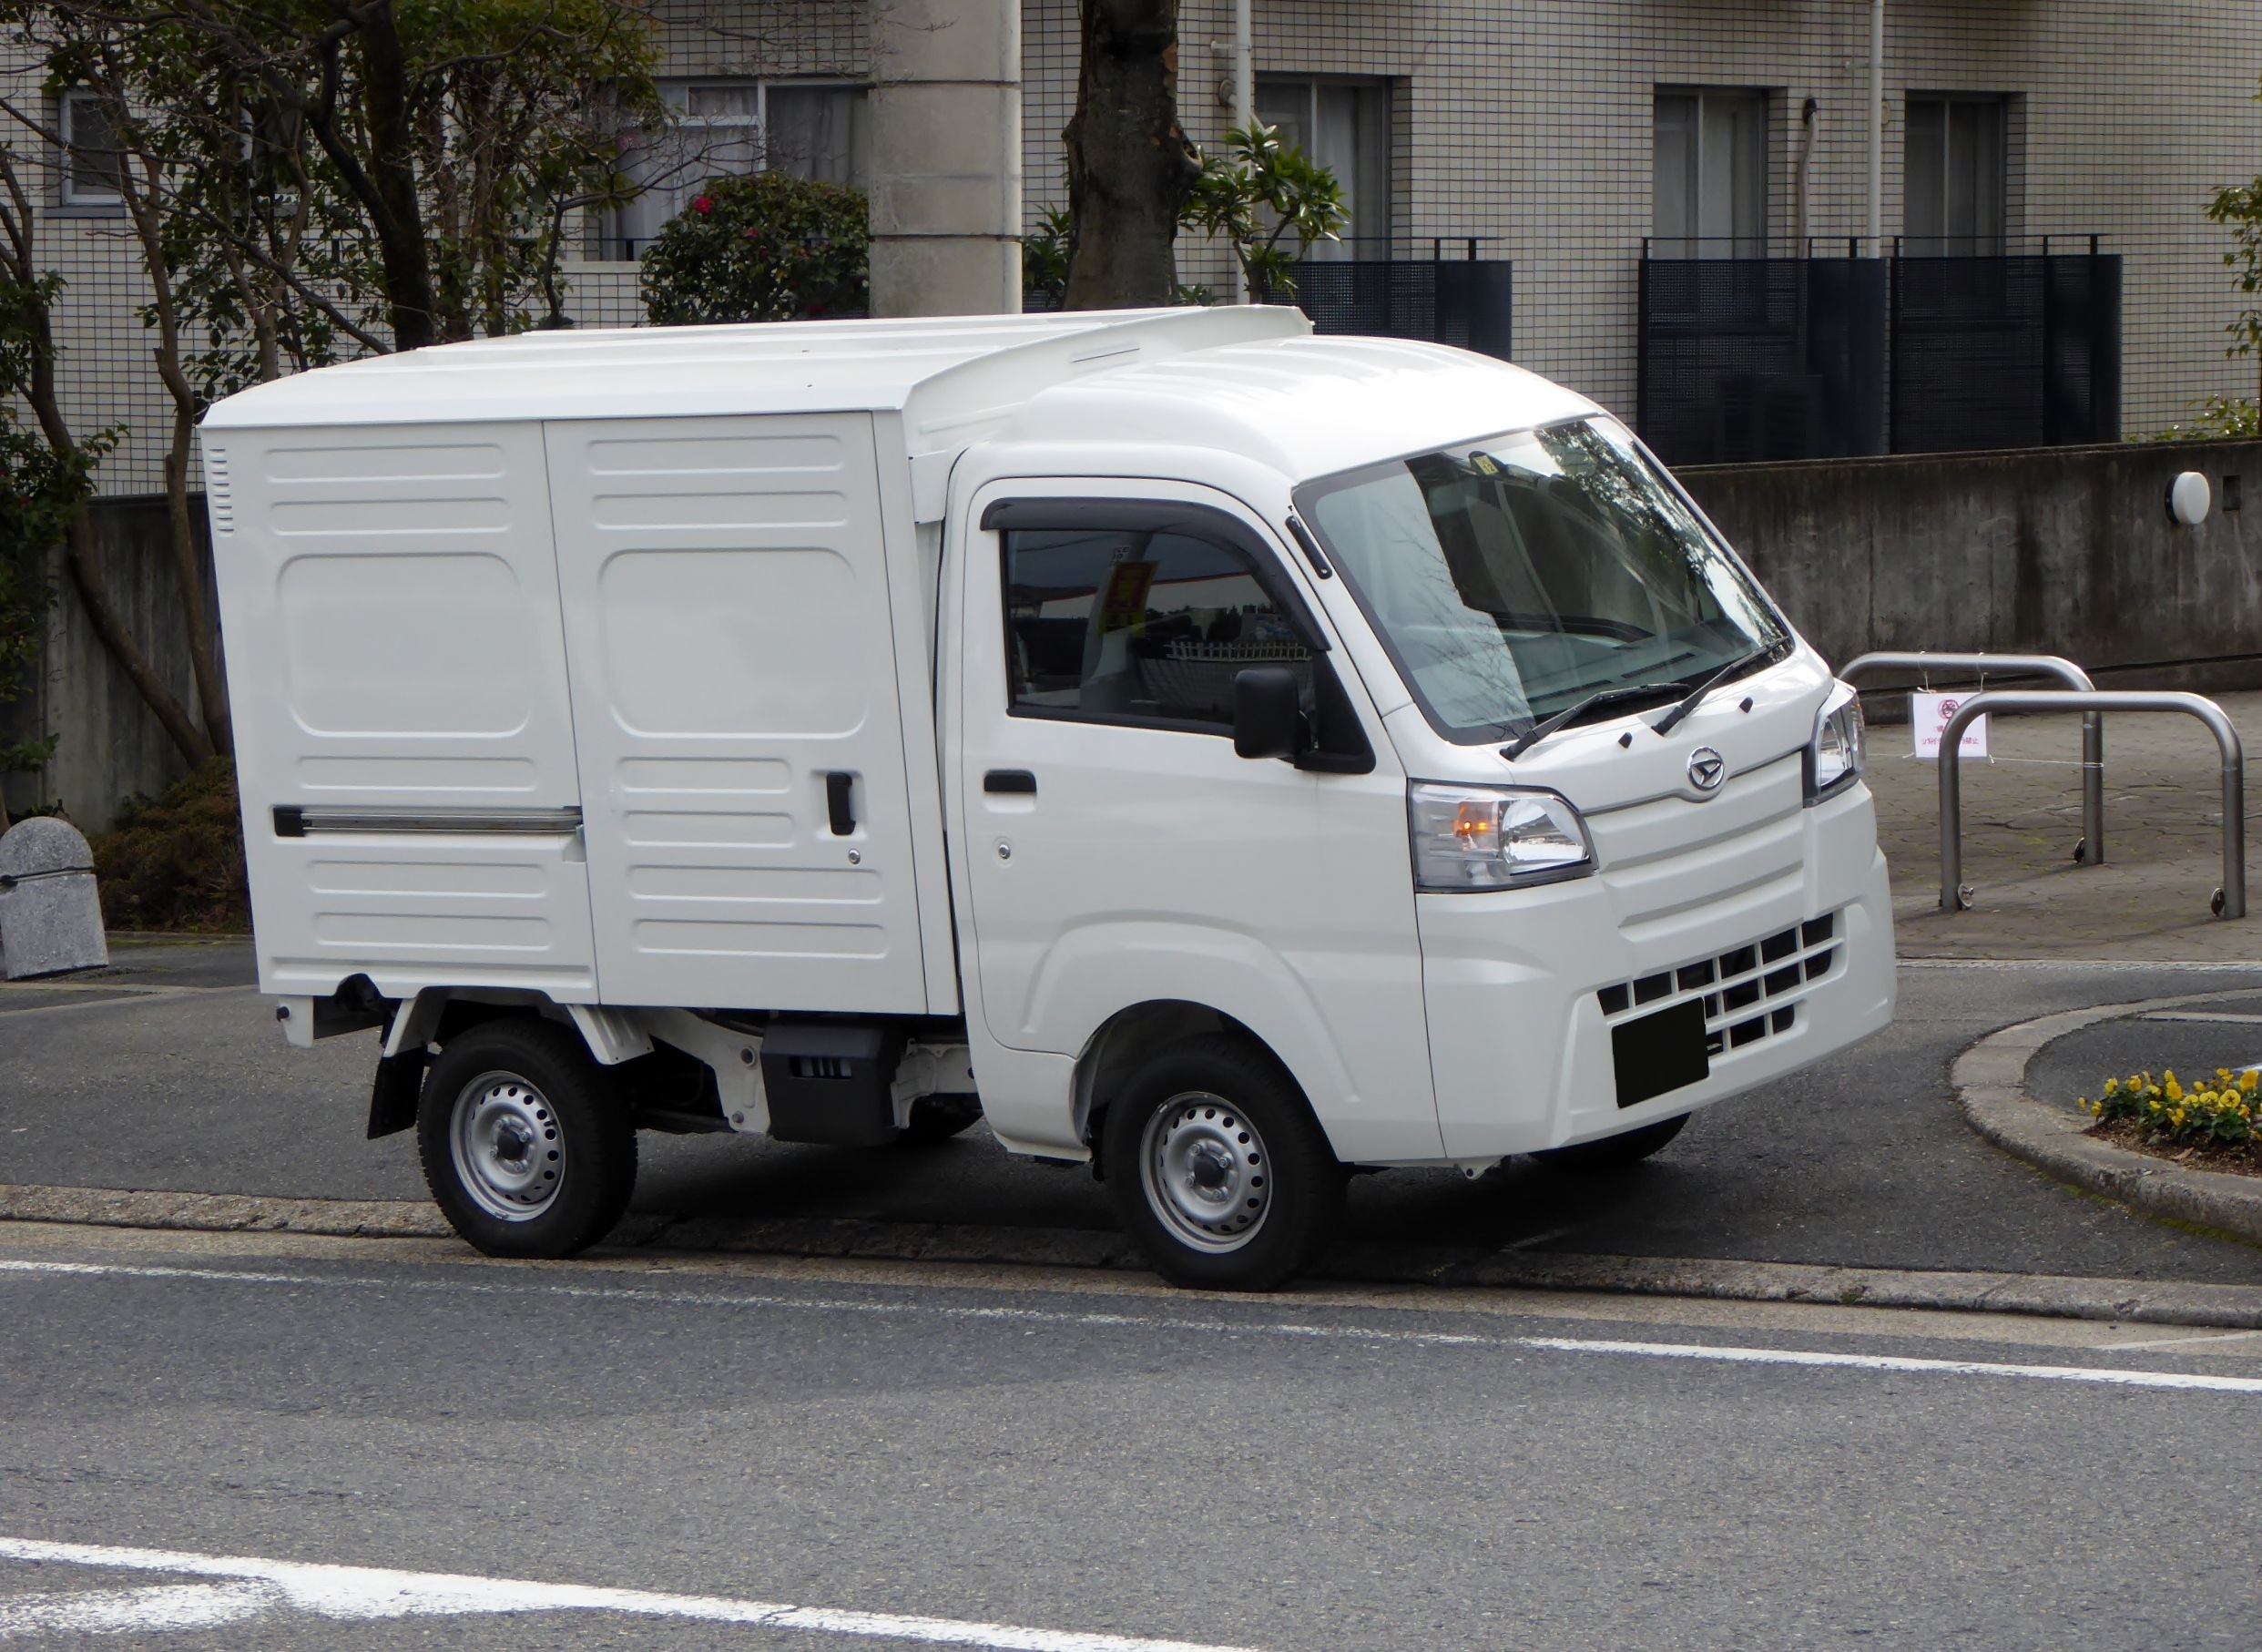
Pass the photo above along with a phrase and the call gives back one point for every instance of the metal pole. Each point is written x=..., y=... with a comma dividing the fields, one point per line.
x=2228, y=902
x=2091, y=849
x=1244, y=105
x=1877, y=127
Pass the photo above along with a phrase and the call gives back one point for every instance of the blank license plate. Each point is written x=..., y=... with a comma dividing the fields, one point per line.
x=1660, y=1052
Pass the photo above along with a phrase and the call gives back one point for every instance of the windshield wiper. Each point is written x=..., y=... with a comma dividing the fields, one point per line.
x=1601, y=697
x=1688, y=703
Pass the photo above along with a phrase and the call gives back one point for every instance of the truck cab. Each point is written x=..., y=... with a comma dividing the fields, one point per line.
x=1221, y=755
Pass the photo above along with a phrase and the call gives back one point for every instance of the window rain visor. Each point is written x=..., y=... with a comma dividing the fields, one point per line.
x=1512, y=578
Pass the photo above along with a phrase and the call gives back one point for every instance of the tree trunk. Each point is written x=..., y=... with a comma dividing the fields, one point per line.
x=1130, y=167
x=115, y=635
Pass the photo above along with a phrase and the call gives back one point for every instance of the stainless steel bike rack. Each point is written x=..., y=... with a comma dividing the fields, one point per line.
x=2229, y=901
x=2091, y=849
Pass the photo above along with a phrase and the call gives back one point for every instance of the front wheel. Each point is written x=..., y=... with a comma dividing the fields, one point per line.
x=1614, y=1152
x=527, y=1146
x=1218, y=1168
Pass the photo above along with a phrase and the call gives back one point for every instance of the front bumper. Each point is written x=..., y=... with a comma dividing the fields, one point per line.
x=1523, y=987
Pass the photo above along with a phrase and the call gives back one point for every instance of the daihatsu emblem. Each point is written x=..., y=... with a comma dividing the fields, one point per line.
x=1706, y=768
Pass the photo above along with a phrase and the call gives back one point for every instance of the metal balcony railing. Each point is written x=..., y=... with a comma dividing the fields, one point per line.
x=1441, y=289
x=1827, y=353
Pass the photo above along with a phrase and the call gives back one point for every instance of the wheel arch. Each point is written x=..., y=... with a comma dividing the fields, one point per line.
x=437, y=1014
x=1133, y=1033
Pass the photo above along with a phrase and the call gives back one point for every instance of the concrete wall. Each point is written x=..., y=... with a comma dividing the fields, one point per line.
x=2063, y=550
x=110, y=747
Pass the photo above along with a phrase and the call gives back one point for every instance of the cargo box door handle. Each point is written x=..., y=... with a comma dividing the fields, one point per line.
x=1010, y=781
x=839, y=802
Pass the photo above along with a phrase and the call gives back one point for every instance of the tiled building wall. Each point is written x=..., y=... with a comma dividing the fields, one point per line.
x=1529, y=123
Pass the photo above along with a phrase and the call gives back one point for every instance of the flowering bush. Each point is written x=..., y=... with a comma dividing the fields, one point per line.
x=764, y=248
x=2221, y=1111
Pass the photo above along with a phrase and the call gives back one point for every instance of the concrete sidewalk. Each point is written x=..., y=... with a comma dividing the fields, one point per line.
x=2022, y=817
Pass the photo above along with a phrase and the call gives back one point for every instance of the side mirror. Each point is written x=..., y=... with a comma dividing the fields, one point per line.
x=1268, y=716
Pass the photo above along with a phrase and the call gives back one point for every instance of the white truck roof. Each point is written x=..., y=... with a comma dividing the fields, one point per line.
x=1248, y=378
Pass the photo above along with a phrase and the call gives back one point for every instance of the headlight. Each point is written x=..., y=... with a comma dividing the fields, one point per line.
x=1494, y=837
x=1842, y=745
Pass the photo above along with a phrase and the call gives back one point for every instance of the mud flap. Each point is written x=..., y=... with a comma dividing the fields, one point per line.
x=394, y=1092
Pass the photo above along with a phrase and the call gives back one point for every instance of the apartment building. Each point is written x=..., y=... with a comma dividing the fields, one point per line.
x=1572, y=141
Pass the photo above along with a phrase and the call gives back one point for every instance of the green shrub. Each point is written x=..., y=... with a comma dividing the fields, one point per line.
x=764, y=248
x=2221, y=1112
x=175, y=862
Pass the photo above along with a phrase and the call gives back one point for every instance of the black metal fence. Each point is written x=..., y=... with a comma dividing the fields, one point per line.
x=1745, y=359
x=1762, y=358
x=2016, y=351
x=1468, y=301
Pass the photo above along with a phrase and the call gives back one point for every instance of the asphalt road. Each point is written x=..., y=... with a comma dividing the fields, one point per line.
x=1083, y=1457
x=1863, y=1161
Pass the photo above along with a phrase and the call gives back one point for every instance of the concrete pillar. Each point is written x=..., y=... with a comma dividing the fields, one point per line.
x=946, y=158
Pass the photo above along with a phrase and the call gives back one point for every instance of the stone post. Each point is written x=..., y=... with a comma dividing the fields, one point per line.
x=946, y=158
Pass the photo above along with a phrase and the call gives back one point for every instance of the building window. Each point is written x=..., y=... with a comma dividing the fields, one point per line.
x=814, y=129
x=92, y=169
x=1710, y=188
x=1952, y=190
x=1345, y=126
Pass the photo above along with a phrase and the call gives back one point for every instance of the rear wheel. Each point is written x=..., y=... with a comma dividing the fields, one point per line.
x=1217, y=1168
x=527, y=1146
x=1614, y=1152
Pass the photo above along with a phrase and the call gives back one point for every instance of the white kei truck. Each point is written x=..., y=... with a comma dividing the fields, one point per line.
x=1227, y=756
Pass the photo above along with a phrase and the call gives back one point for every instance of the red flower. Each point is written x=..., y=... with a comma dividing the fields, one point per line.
x=704, y=205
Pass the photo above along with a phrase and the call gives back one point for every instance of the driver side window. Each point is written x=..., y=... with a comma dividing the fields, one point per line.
x=1127, y=625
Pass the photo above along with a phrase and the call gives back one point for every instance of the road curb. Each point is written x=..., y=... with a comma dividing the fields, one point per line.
x=1990, y=1080
x=2139, y=1301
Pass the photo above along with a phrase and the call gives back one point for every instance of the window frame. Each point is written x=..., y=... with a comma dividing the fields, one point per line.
x=1203, y=521
x=1375, y=146
x=1942, y=241
x=69, y=193
x=1760, y=181
x=757, y=125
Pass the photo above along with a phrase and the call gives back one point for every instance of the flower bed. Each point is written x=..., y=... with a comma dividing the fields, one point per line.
x=2214, y=1126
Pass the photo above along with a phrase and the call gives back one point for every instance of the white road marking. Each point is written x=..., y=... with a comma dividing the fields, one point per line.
x=522, y=1286
x=158, y=1607
x=1899, y=1362
x=366, y=1593
x=2203, y=1016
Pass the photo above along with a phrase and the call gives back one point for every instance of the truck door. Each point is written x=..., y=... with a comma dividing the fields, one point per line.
x=735, y=706
x=1116, y=848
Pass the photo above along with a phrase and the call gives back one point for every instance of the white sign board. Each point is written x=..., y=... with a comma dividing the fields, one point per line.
x=1928, y=717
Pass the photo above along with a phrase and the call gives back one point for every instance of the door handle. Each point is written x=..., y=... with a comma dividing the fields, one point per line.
x=839, y=802
x=1010, y=781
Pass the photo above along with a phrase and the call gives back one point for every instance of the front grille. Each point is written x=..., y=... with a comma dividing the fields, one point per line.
x=1749, y=992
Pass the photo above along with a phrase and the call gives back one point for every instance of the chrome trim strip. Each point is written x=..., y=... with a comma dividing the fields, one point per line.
x=297, y=822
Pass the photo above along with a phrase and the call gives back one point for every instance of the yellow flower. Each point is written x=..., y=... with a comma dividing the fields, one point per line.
x=2247, y=1080
x=2176, y=1118
x=2112, y=1086
x=2174, y=1090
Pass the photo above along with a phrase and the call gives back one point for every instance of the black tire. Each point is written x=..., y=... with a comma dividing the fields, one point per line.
x=1217, y=1107
x=535, y=1100
x=939, y=1117
x=1614, y=1152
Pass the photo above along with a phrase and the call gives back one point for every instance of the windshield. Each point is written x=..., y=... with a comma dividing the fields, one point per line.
x=1512, y=578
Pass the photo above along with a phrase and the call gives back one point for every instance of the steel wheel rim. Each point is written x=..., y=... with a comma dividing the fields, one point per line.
x=1206, y=1172
x=509, y=1152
